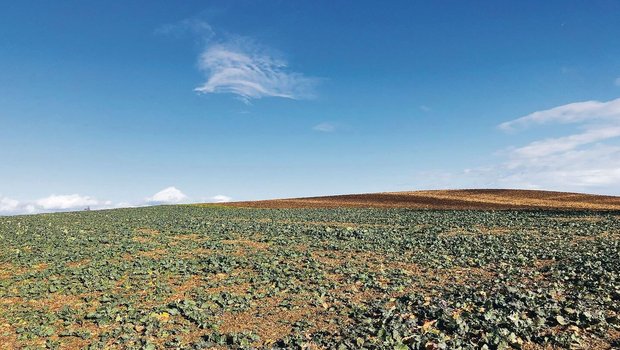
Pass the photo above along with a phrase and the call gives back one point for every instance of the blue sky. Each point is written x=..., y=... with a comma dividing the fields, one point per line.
x=136, y=102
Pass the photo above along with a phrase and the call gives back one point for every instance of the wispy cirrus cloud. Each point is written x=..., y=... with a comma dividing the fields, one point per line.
x=587, y=111
x=553, y=146
x=243, y=68
x=198, y=27
x=325, y=127
x=240, y=66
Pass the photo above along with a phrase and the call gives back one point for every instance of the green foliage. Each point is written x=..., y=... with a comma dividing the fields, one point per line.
x=178, y=277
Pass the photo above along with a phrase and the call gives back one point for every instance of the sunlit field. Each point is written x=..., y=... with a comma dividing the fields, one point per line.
x=190, y=277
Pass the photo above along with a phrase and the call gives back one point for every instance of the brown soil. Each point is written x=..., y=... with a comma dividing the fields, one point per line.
x=449, y=199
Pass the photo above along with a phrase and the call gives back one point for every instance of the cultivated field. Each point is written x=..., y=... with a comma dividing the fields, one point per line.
x=449, y=199
x=215, y=277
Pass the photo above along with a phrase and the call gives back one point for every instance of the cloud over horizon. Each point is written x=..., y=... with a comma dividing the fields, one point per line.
x=220, y=198
x=8, y=205
x=62, y=202
x=169, y=195
x=585, y=159
x=52, y=203
x=76, y=202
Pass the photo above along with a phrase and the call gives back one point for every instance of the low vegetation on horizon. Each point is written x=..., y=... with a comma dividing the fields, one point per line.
x=217, y=277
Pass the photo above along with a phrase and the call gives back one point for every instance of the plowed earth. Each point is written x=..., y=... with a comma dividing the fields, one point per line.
x=449, y=199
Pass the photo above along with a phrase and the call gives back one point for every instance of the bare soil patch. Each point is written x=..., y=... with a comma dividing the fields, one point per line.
x=474, y=199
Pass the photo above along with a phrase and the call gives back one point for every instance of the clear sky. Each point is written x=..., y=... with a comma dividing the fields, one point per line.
x=113, y=103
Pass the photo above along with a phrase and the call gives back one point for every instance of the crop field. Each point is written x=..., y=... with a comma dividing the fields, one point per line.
x=214, y=277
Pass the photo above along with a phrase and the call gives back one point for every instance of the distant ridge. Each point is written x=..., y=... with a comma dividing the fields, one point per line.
x=470, y=199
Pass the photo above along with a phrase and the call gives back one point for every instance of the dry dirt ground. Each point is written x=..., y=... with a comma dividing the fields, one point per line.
x=449, y=199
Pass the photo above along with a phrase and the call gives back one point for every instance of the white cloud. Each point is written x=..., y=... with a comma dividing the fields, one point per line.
x=325, y=127
x=586, y=160
x=73, y=202
x=51, y=203
x=592, y=168
x=220, y=198
x=196, y=26
x=242, y=68
x=64, y=202
x=563, y=144
x=30, y=209
x=588, y=111
x=8, y=205
x=170, y=195
x=425, y=108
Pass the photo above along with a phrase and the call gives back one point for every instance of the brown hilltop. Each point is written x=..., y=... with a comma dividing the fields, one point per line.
x=473, y=199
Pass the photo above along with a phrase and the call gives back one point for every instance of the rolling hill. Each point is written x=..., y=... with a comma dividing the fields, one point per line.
x=468, y=199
